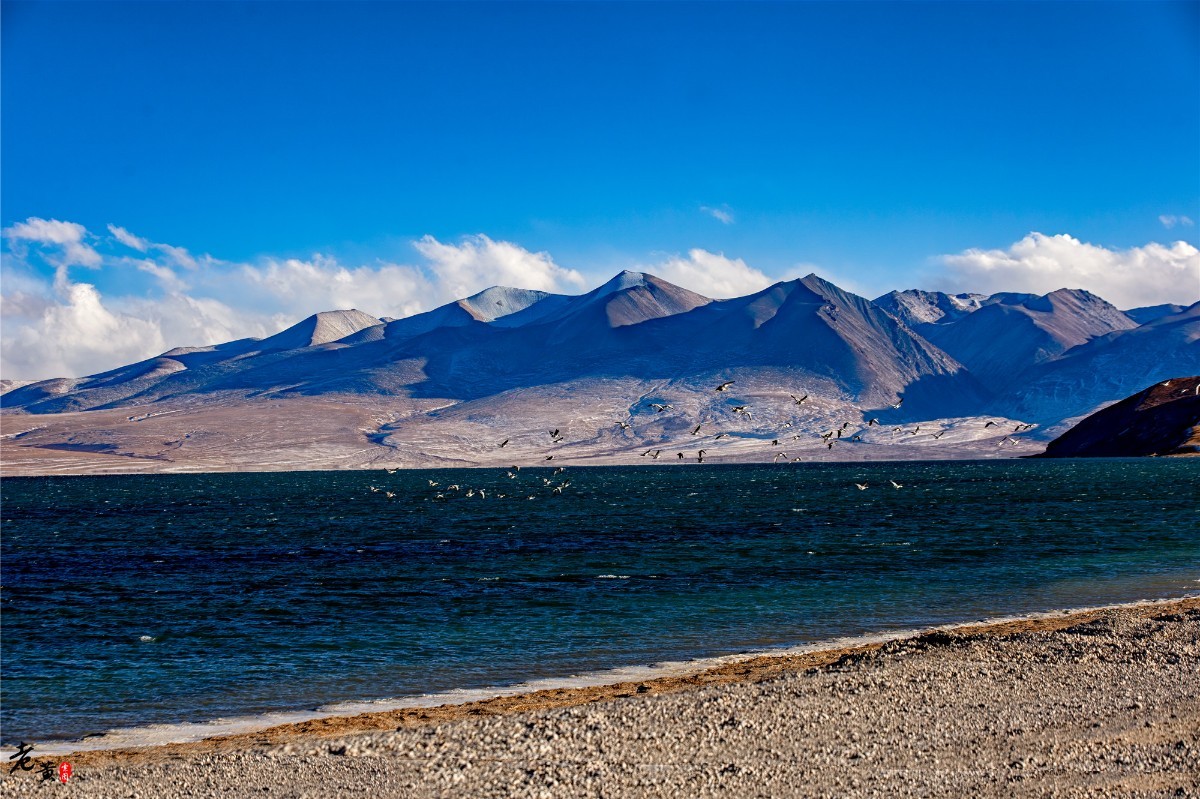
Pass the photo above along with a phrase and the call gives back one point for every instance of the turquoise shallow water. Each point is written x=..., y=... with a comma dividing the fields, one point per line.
x=175, y=598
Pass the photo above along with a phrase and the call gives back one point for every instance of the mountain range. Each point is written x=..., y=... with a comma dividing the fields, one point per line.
x=499, y=361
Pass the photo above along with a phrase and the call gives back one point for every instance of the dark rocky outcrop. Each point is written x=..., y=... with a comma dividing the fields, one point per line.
x=1163, y=419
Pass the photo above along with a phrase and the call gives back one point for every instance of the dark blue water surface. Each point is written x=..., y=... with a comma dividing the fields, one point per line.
x=287, y=591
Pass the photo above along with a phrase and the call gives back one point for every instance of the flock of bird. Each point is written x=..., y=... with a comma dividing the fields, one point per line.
x=829, y=439
x=440, y=493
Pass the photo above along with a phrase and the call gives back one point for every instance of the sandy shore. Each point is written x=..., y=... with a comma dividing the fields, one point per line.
x=1101, y=702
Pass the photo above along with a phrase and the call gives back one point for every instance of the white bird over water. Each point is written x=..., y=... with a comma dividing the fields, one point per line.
x=432, y=484
x=862, y=486
x=895, y=484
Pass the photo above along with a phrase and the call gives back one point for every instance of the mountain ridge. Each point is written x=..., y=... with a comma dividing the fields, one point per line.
x=802, y=354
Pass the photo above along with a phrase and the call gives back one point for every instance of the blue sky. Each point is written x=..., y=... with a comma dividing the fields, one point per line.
x=864, y=141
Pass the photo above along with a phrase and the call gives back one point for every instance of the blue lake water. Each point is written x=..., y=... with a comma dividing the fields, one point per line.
x=166, y=599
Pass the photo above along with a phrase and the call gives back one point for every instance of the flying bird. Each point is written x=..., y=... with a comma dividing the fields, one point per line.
x=504, y=443
x=374, y=490
x=872, y=422
x=657, y=452
x=898, y=403
x=862, y=486
x=989, y=424
x=895, y=484
x=391, y=494
x=775, y=442
x=659, y=408
x=700, y=456
x=554, y=433
x=391, y=471
x=798, y=400
x=725, y=386
x=696, y=429
x=720, y=435
x=432, y=484
x=680, y=454
x=939, y=434
x=549, y=457
x=624, y=424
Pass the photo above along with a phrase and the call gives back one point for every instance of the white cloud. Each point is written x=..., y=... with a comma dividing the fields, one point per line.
x=1170, y=220
x=723, y=214
x=1149, y=275
x=711, y=274
x=303, y=287
x=67, y=237
x=166, y=275
x=479, y=263
x=76, y=335
x=128, y=239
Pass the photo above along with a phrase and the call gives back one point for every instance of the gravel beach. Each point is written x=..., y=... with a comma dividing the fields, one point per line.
x=1096, y=703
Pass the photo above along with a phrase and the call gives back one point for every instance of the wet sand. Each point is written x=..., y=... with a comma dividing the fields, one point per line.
x=1098, y=702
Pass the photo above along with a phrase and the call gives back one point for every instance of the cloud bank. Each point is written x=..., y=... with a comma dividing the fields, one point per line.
x=54, y=322
x=1038, y=264
x=54, y=325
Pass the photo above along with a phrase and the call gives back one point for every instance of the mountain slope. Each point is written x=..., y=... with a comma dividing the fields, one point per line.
x=1107, y=368
x=1012, y=332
